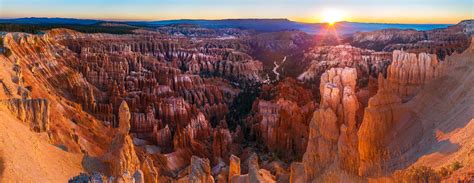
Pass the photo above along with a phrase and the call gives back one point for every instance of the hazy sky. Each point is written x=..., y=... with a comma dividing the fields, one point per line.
x=395, y=11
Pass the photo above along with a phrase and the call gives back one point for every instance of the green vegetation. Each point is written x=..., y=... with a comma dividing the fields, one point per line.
x=426, y=174
x=449, y=169
x=7, y=52
x=36, y=29
x=456, y=165
x=420, y=174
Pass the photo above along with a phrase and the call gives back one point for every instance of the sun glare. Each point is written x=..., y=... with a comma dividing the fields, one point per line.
x=331, y=16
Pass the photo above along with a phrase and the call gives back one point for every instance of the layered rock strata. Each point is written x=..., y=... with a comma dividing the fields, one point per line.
x=333, y=128
x=441, y=42
x=322, y=58
x=280, y=121
x=409, y=72
x=33, y=112
x=122, y=159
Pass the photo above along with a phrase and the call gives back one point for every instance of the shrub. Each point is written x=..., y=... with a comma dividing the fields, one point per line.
x=7, y=52
x=29, y=88
x=422, y=174
x=444, y=172
x=456, y=166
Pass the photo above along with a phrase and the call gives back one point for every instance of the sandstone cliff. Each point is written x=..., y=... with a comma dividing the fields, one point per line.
x=322, y=58
x=396, y=135
x=280, y=120
x=409, y=72
x=442, y=42
x=121, y=156
x=34, y=112
x=333, y=128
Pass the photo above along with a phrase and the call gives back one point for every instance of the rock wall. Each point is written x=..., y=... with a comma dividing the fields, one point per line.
x=199, y=171
x=176, y=89
x=255, y=174
x=280, y=122
x=33, y=112
x=409, y=72
x=333, y=128
x=322, y=58
x=441, y=42
x=379, y=119
x=377, y=40
x=121, y=157
x=385, y=118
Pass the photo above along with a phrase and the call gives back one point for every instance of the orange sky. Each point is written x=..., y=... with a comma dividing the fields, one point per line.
x=382, y=11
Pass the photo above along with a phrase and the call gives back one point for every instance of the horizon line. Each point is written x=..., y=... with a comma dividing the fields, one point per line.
x=206, y=19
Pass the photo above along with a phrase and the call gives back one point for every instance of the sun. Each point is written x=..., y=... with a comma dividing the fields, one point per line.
x=332, y=16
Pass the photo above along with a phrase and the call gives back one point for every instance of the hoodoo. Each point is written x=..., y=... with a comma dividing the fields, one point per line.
x=235, y=100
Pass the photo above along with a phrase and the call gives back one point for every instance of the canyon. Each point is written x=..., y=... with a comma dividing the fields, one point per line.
x=191, y=104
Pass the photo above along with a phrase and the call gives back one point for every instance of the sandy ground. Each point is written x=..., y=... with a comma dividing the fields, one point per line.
x=446, y=109
x=26, y=156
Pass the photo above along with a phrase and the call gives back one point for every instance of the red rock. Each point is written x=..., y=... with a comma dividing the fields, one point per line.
x=281, y=122
x=121, y=156
x=221, y=144
x=33, y=112
x=333, y=128
x=200, y=171
x=378, y=121
x=234, y=167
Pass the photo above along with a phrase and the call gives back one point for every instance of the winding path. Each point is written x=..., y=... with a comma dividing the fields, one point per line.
x=276, y=68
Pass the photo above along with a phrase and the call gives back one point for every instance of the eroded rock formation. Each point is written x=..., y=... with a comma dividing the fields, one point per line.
x=379, y=118
x=322, y=58
x=409, y=72
x=281, y=120
x=156, y=106
x=234, y=167
x=122, y=159
x=199, y=171
x=34, y=112
x=442, y=42
x=333, y=128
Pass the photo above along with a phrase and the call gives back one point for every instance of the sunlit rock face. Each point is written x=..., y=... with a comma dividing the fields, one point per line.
x=121, y=156
x=234, y=167
x=45, y=81
x=341, y=141
x=366, y=62
x=442, y=42
x=379, y=118
x=392, y=126
x=408, y=72
x=176, y=91
x=33, y=112
x=377, y=40
x=333, y=128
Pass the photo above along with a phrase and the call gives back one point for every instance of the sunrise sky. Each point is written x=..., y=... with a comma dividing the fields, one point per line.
x=382, y=11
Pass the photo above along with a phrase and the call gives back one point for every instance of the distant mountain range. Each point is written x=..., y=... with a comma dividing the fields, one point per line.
x=264, y=25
